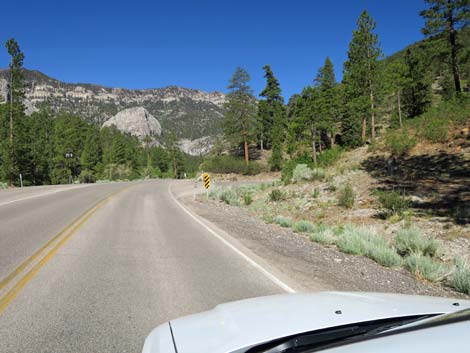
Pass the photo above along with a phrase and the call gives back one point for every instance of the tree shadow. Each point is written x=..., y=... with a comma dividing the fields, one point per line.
x=441, y=182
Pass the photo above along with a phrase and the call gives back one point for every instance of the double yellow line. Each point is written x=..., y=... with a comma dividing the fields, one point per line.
x=34, y=263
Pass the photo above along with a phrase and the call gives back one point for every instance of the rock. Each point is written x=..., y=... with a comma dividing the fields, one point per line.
x=197, y=147
x=189, y=113
x=138, y=122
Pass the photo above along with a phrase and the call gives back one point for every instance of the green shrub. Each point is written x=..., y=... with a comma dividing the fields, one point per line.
x=460, y=279
x=383, y=255
x=283, y=221
x=323, y=235
x=276, y=195
x=411, y=240
x=316, y=193
x=229, y=196
x=3, y=185
x=393, y=202
x=329, y=156
x=347, y=196
x=304, y=226
x=435, y=129
x=425, y=267
x=353, y=240
x=399, y=142
x=230, y=164
x=247, y=198
x=289, y=166
x=87, y=176
x=362, y=241
x=301, y=172
x=318, y=174
x=268, y=218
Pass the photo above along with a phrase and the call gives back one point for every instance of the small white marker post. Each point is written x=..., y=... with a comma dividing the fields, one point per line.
x=21, y=180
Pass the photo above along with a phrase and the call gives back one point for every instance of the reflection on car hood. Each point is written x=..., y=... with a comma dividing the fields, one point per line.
x=236, y=326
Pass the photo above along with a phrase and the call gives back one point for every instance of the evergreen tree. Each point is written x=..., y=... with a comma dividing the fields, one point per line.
x=307, y=123
x=271, y=116
x=91, y=155
x=328, y=102
x=240, y=116
x=69, y=133
x=446, y=17
x=15, y=84
x=40, y=129
x=395, y=76
x=361, y=80
x=417, y=88
x=13, y=148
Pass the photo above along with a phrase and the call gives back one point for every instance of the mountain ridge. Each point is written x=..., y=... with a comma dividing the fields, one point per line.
x=189, y=113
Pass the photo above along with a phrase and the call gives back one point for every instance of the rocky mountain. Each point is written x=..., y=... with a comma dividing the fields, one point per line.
x=189, y=113
x=137, y=122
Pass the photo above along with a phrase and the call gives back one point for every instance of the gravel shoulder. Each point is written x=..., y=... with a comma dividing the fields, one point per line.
x=312, y=266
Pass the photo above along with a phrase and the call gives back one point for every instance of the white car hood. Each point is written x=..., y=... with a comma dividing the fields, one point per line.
x=236, y=326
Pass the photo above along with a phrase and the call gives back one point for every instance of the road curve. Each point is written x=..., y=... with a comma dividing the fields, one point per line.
x=138, y=260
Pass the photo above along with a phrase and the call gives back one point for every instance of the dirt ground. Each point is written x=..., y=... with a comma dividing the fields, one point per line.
x=311, y=265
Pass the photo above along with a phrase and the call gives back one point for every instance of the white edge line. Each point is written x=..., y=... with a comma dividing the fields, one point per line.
x=253, y=263
x=43, y=194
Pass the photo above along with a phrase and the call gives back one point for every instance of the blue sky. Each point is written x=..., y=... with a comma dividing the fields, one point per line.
x=196, y=44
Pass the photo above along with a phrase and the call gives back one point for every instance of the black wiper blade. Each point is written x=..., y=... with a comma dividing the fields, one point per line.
x=321, y=338
x=312, y=339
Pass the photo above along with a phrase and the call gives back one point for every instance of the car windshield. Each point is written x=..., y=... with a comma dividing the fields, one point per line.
x=181, y=159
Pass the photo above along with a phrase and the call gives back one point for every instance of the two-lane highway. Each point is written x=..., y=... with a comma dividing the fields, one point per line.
x=134, y=261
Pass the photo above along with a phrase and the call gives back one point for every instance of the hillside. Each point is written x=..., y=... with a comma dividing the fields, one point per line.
x=189, y=113
x=434, y=51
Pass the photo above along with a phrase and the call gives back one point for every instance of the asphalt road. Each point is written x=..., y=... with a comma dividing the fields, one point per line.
x=135, y=260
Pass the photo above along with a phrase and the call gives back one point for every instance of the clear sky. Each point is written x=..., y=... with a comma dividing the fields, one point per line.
x=196, y=44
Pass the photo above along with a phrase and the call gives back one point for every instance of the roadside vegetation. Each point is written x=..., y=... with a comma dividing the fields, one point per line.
x=407, y=248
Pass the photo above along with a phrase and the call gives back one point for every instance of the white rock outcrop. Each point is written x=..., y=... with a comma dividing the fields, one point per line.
x=136, y=121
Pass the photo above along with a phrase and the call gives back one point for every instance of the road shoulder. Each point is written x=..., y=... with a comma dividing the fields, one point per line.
x=312, y=266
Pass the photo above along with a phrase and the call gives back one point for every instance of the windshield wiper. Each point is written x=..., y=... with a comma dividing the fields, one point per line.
x=321, y=338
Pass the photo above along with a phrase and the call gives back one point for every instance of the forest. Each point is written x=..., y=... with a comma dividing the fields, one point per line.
x=426, y=85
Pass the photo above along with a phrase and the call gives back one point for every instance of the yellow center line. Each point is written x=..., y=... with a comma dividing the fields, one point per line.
x=71, y=229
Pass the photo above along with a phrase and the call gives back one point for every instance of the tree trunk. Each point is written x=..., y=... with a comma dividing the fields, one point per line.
x=399, y=108
x=364, y=129
x=314, y=147
x=245, y=145
x=11, y=107
x=261, y=143
x=372, y=116
x=453, y=46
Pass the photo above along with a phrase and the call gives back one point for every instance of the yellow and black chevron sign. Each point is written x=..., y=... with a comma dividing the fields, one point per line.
x=207, y=180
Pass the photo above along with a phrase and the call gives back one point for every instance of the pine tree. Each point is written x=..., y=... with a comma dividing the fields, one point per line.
x=91, y=154
x=40, y=129
x=417, y=88
x=13, y=149
x=446, y=17
x=395, y=76
x=271, y=115
x=15, y=84
x=240, y=116
x=328, y=101
x=307, y=123
x=361, y=80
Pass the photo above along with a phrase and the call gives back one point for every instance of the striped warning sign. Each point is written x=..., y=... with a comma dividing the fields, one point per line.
x=207, y=180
